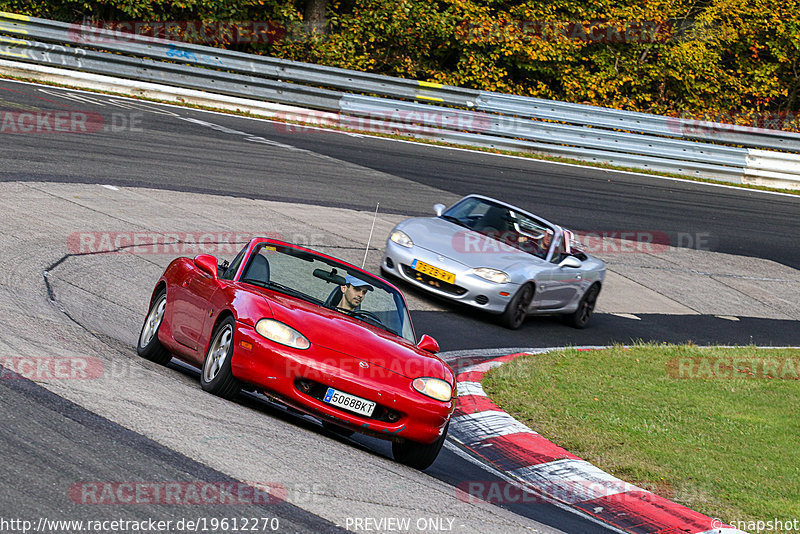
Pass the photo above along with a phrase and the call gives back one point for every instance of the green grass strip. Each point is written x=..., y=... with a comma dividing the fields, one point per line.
x=714, y=429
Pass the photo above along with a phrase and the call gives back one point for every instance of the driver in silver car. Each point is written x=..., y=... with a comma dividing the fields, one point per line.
x=353, y=293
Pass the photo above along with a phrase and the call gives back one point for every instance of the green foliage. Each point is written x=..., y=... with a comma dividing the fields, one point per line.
x=721, y=59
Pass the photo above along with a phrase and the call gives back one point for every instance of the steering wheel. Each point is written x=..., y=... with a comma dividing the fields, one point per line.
x=367, y=314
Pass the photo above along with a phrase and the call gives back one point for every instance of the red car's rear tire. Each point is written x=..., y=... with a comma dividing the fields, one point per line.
x=216, y=376
x=418, y=455
x=149, y=347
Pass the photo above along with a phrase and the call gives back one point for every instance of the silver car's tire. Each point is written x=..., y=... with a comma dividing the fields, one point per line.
x=418, y=455
x=517, y=310
x=580, y=317
x=216, y=376
x=149, y=347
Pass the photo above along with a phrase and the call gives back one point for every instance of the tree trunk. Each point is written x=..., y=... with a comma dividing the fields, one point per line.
x=315, y=20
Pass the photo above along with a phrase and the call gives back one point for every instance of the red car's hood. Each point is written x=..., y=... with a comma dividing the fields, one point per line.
x=352, y=337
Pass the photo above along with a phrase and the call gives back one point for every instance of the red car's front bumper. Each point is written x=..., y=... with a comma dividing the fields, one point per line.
x=402, y=412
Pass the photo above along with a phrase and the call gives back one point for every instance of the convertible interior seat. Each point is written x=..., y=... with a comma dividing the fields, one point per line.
x=334, y=298
x=494, y=219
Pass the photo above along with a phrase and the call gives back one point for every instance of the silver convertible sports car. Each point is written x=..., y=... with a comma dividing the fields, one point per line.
x=498, y=258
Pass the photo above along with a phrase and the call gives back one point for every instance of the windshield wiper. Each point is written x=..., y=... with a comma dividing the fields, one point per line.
x=281, y=288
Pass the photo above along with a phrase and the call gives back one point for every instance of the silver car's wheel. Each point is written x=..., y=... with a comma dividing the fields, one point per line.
x=149, y=346
x=580, y=318
x=217, y=377
x=517, y=309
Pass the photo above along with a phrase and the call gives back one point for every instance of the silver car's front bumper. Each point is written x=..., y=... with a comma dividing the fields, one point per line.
x=468, y=288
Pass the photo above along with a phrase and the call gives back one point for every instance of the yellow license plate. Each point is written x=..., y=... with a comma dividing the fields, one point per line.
x=435, y=272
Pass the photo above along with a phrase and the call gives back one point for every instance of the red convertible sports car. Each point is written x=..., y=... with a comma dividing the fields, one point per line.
x=320, y=335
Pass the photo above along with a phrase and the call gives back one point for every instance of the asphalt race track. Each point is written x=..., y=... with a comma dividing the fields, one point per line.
x=729, y=277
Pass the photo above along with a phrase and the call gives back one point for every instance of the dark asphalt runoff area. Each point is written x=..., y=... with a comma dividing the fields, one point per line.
x=68, y=464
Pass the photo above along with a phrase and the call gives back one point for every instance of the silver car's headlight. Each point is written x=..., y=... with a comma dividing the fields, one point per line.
x=434, y=388
x=401, y=238
x=281, y=333
x=492, y=275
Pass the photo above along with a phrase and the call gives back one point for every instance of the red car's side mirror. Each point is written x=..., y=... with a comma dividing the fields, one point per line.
x=207, y=263
x=429, y=344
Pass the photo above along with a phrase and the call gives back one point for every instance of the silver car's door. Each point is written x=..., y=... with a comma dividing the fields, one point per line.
x=558, y=286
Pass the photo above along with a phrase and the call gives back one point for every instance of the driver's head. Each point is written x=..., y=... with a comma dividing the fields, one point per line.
x=353, y=292
x=547, y=238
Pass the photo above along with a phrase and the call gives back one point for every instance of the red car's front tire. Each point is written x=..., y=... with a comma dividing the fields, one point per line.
x=418, y=455
x=216, y=376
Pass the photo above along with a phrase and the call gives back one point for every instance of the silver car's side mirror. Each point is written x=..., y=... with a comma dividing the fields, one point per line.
x=439, y=209
x=570, y=261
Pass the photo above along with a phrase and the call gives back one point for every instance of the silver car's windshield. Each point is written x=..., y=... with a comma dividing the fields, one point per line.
x=503, y=224
x=320, y=280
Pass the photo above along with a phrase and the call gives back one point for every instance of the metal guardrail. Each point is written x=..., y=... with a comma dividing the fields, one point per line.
x=232, y=61
x=176, y=74
x=473, y=117
x=639, y=122
x=554, y=133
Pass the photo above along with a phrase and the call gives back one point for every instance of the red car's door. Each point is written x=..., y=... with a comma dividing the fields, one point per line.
x=191, y=304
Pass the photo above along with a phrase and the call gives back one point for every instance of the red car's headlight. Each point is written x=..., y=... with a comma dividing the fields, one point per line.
x=433, y=388
x=281, y=333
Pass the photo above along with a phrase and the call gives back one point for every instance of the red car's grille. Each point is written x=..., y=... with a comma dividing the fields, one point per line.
x=317, y=391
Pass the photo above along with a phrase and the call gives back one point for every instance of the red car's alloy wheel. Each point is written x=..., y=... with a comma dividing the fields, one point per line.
x=149, y=346
x=217, y=377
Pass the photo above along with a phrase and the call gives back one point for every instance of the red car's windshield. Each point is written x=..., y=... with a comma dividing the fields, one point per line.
x=318, y=279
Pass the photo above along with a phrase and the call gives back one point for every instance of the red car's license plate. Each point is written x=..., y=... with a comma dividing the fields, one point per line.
x=349, y=402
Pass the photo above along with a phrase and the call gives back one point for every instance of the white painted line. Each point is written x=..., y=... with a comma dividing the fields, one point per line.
x=483, y=367
x=113, y=188
x=73, y=97
x=727, y=317
x=627, y=316
x=476, y=427
x=573, y=481
x=470, y=388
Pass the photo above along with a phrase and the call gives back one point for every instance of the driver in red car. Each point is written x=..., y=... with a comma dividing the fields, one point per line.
x=353, y=293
